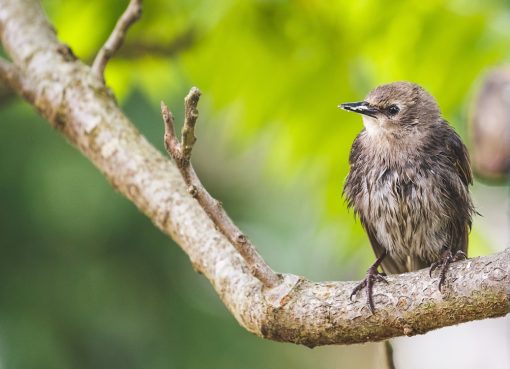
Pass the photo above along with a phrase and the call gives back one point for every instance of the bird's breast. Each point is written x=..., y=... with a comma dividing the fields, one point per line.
x=395, y=203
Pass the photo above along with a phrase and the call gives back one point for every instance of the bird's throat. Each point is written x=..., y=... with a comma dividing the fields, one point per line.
x=372, y=125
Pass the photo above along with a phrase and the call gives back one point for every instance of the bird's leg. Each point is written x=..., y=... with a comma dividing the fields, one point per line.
x=444, y=261
x=372, y=276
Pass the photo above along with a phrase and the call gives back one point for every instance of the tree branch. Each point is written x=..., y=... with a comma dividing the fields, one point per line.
x=132, y=13
x=181, y=153
x=70, y=96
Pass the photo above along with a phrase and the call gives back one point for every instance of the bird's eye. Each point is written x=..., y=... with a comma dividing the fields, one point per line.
x=393, y=110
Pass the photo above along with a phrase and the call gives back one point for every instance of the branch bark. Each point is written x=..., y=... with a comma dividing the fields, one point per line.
x=75, y=101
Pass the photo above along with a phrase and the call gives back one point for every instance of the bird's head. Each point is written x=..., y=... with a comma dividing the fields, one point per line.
x=397, y=109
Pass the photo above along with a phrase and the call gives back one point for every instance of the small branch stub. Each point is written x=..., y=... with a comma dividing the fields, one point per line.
x=241, y=238
x=171, y=143
x=132, y=13
x=181, y=153
x=190, y=119
x=192, y=190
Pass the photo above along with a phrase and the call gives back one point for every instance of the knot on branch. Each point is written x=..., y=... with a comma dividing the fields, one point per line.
x=241, y=239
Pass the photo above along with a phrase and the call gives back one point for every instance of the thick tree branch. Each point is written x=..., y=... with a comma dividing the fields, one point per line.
x=132, y=13
x=70, y=96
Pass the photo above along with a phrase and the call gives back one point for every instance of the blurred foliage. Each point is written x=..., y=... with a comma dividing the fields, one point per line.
x=89, y=282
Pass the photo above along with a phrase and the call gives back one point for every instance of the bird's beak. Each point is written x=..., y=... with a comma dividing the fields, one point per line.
x=361, y=107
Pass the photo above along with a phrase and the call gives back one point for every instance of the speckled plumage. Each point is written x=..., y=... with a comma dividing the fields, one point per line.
x=408, y=180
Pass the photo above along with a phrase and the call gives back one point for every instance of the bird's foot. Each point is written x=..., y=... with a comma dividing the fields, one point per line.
x=372, y=276
x=443, y=263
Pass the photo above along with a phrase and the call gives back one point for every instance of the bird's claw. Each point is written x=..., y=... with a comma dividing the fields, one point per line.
x=443, y=263
x=372, y=276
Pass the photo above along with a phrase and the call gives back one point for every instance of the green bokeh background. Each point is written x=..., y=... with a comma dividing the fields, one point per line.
x=89, y=282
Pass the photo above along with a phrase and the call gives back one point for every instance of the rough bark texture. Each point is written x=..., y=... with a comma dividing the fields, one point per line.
x=75, y=101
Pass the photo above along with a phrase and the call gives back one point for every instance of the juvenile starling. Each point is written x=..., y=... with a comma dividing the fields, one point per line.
x=408, y=183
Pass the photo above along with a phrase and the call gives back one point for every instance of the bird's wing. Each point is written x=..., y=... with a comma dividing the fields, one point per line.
x=458, y=153
x=457, y=150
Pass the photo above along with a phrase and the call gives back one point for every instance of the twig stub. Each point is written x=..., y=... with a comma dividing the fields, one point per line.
x=171, y=143
x=188, y=129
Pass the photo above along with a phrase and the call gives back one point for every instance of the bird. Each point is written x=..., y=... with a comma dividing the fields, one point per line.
x=408, y=182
